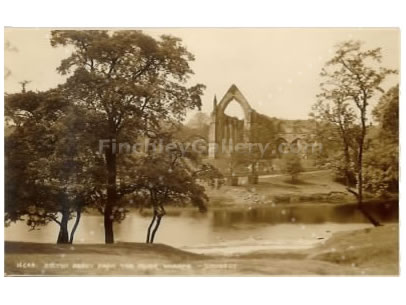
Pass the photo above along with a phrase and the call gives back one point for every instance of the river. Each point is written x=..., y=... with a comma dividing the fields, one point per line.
x=226, y=230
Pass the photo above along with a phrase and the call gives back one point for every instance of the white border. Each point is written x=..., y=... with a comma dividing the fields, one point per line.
x=176, y=13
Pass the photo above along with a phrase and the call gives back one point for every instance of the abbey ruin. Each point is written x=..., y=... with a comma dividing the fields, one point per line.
x=254, y=127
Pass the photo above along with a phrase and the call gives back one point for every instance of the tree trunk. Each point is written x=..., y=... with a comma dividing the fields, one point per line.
x=63, y=236
x=158, y=222
x=75, y=226
x=150, y=227
x=347, y=164
x=371, y=219
x=359, y=169
x=111, y=194
x=108, y=225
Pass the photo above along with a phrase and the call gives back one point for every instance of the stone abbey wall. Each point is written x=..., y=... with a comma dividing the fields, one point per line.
x=227, y=130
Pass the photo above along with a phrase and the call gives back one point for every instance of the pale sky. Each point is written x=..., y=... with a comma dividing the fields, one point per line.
x=277, y=70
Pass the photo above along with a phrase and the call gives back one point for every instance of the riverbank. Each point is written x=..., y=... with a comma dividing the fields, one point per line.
x=315, y=186
x=373, y=251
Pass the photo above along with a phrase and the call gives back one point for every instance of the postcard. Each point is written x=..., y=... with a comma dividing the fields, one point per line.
x=201, y=151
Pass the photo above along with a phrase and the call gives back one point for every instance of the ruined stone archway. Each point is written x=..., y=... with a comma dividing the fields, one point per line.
x=226, y=130
x=234, y=94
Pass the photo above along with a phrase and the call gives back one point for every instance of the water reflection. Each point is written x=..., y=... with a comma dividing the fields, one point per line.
x=225, y=230
x=306, y=214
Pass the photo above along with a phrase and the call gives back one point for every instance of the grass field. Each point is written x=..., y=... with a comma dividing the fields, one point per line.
x=317, y=186
x=364, y=252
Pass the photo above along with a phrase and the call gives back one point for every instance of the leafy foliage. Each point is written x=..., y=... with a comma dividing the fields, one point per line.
x=352, y=78
x=47, y=162
x=292, y=165
x=131, y=84
x=382, y=159
x=171, y=178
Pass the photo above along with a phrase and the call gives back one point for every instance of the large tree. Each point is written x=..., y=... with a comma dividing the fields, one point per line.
x=337, y=130
x=168, y=180
x=174, y=176
x=47, y=170
x=352, y=79
x=132, y=83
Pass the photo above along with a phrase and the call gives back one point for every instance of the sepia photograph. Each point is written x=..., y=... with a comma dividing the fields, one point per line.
x=201, y=151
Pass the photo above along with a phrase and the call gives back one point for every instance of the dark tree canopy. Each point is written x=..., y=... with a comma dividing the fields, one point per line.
x=49, y=170
x=132, y=85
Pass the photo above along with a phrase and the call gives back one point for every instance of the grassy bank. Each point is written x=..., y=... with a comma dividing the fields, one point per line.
x=315, y=186
x=365, y=252
x=311, y=187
